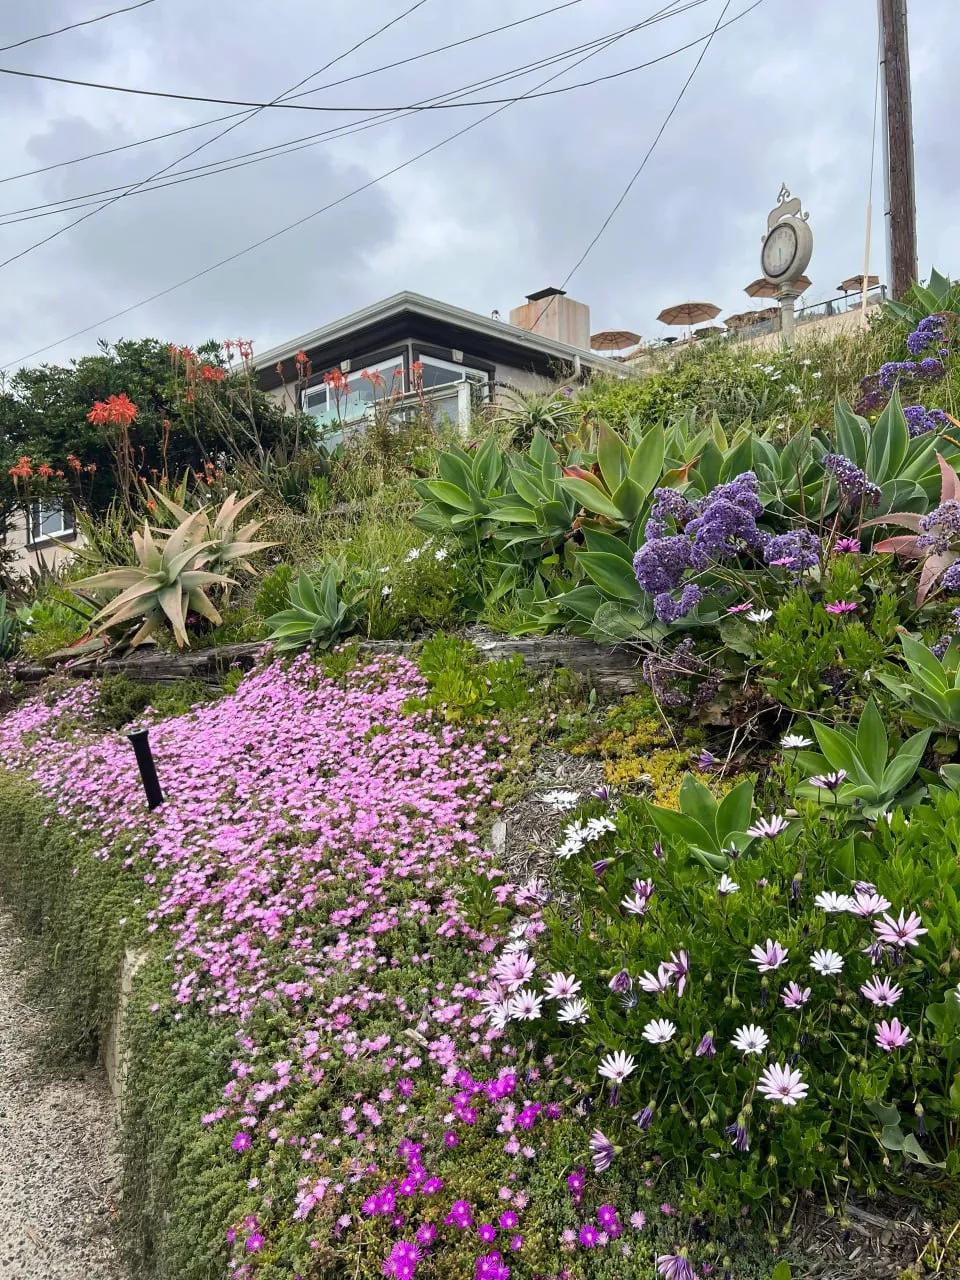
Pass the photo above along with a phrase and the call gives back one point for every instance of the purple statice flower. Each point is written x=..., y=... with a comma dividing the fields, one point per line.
x=739, y=1135
x=669, y=507
x=951, y=579
x=675, y=1266
x=929, y=332
x=602, y=1151
x=726, y=522
x=797, y=550
x=940, y=527
x=890, y=373
x=706, y=1048
x=931, y=369
x=854, y=486
x=921, y=420
x=668, y=610
x=659, y=565
x=892, y=1035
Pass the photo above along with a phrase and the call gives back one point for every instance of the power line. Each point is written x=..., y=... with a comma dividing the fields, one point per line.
x=650, y=150
x=92, y=213
x=292, y=106
x=359, y=75
x=292, y=226
x=73, y=26
x=227, y=164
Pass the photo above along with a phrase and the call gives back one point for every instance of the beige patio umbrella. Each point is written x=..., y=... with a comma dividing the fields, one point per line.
x=854, y=284
x=613, y=340
x=688, y=313
x=763, y=288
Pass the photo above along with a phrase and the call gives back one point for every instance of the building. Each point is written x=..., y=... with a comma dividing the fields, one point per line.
x=414, y=348
x=41, y=542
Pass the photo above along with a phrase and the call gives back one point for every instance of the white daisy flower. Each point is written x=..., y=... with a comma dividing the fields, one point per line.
x=574, y=1012
x=616, y=1067
x=750, y=1039
x=659, y=1031
x=827, y=962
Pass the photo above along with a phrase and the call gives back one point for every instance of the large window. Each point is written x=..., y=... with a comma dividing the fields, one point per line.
x=334, y=405
x=50, y=520
x=435, y=372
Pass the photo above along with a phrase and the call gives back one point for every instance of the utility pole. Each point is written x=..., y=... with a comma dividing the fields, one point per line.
x=901, y=202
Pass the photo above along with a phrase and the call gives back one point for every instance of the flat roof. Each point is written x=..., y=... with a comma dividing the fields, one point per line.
x=420, y=305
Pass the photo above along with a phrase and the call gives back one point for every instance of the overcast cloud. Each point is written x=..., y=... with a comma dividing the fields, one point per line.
x=784, y=95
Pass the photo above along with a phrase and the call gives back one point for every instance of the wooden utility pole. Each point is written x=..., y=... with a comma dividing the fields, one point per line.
x=901, y=203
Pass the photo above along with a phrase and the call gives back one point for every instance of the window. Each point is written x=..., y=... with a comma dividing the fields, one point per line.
x=441, y=373
x=331, y=407
x=50, y=520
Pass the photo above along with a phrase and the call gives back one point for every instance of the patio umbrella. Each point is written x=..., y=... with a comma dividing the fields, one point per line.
x=854, y=284
x=762, y=288
x=688, y=313
x=613, y=340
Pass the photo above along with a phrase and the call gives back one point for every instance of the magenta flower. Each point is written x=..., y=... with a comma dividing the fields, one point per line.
x=679, y=964
x=892, y=1035
x=847, y=546
x=900, y=932
x=740, y=608
x=841, y=606
x=241, y=1141
x=254, y=1243
x=588, y=1235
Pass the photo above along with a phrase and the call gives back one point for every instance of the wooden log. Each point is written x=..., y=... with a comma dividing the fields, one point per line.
x=610, y=670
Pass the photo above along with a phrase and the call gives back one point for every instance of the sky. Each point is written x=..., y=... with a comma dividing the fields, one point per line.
x=784, y=95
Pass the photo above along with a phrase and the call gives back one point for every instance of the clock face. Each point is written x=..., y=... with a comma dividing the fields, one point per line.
x=779, y=251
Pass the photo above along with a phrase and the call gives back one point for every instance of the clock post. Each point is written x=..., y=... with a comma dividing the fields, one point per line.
x=787, y=248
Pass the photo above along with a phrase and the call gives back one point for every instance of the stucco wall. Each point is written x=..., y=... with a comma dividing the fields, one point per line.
x=47, y=555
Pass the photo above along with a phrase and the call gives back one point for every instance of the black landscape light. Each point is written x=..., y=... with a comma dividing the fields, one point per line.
x=148, y=770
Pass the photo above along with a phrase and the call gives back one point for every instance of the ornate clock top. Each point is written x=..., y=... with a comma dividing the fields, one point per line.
x=787, y=207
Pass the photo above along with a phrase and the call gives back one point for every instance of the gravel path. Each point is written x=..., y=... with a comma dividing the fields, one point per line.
x=57, y=1170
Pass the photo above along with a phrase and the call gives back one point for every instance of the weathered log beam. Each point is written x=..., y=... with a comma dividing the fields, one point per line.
x=611, y=670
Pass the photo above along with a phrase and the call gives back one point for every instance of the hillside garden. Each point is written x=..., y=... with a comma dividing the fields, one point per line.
x=449, y=970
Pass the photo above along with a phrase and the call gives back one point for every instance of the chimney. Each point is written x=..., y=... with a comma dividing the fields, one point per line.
x=552, y=314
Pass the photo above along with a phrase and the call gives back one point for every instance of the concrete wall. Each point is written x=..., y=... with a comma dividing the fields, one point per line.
x=557, y=317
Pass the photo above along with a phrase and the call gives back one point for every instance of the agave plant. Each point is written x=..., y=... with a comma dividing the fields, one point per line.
x=228, y=548
x=168, y=581
x=318, y=614
x=930, y=686
x=914, y=546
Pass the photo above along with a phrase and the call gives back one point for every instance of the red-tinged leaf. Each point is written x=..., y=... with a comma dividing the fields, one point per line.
x=909, y=519
x=581, y=473
x=904, y=544
x=933, y=567
x=679, y=475
x=949, y=480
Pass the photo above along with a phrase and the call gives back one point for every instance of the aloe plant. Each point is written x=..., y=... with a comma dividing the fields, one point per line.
x=856, y=768
x=228, y=548
x=930, y=686
x=318, y=615
x=169, y=581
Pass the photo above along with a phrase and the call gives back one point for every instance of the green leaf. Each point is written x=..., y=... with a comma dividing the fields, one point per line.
x=872, y=742
x=590, y=497
x=839, y=753
x=601, y=540
x=488, y=466
x=781, y=1272
x=613, y=575
x=734, y=810
x=850, y=431
x=451, y=494
x=613, y=457
x=683, y=827
x=906, y=762
x=699, y=802
x=646, y=463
